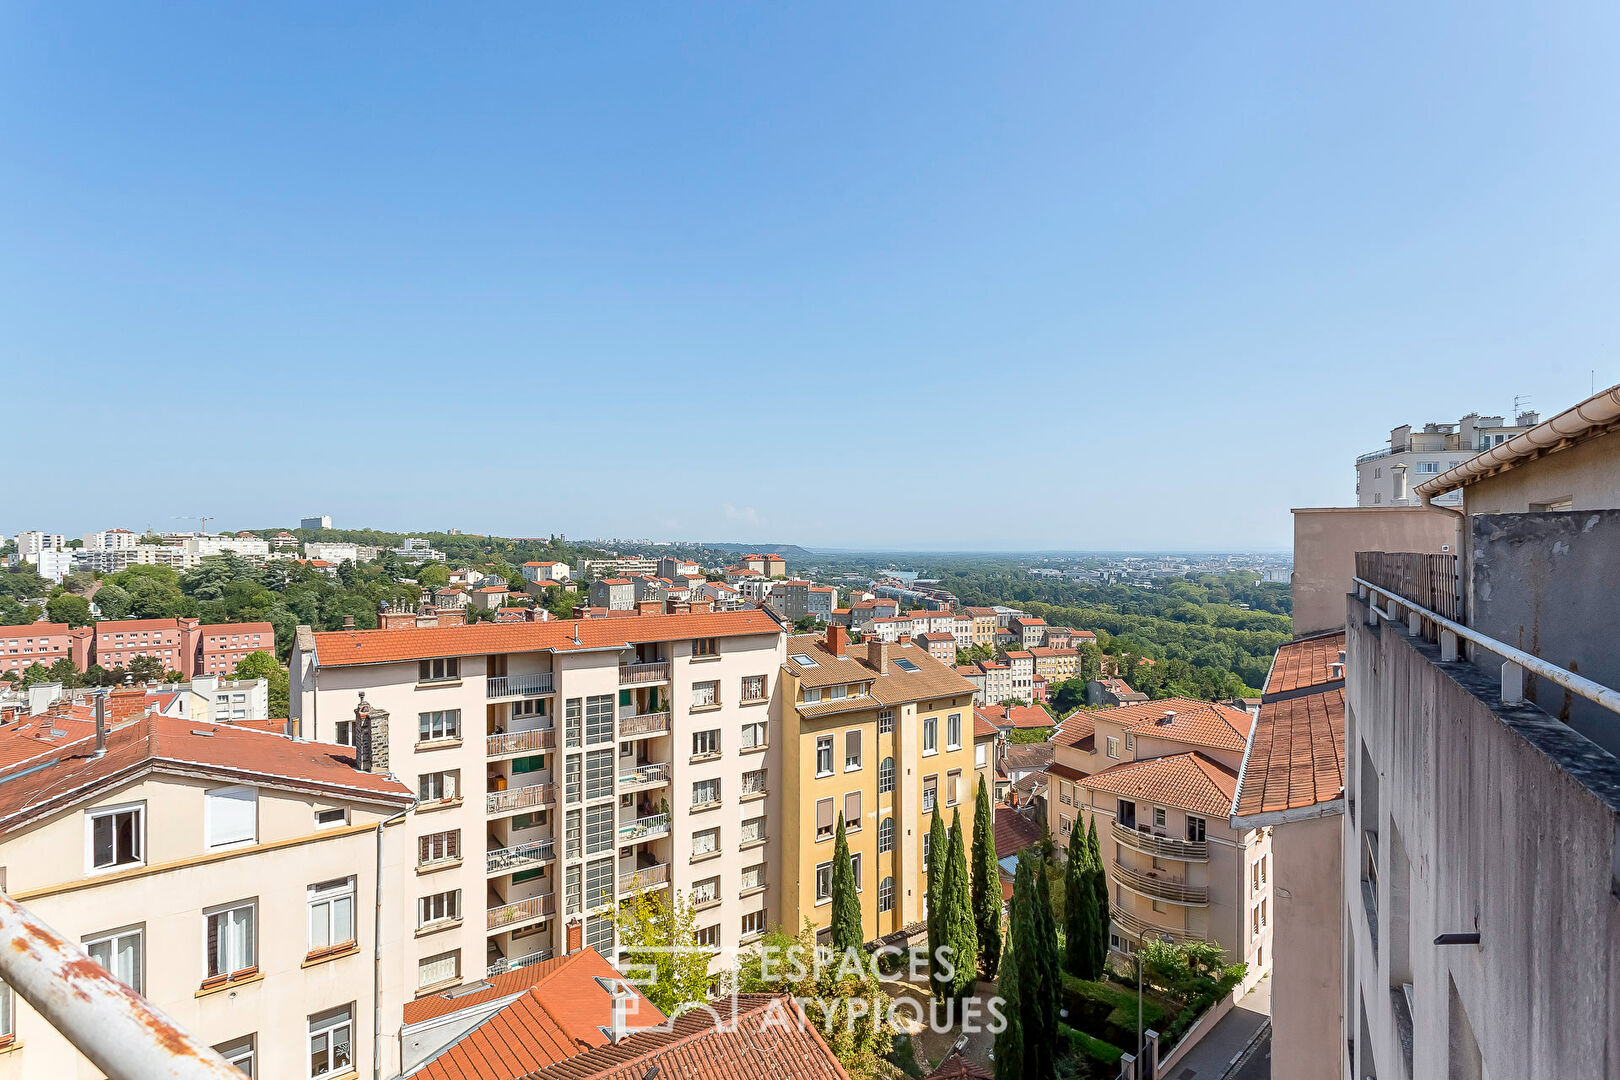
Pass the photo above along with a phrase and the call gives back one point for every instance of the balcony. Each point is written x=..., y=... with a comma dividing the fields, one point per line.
x=501, y=965
x=1158, y=885
x=643, y=828
x=1164, y=847
x=1136, y=929
x=633, y=878
x=521, y=856
x=504, y=686
x=520, y=798
x=643, y=724
x=522, y=911
x=644, y=776
x=644, y=674
x=514, y=743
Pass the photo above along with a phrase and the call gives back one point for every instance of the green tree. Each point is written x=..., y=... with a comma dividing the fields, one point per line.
x=113, y=601
x=1031, y=1003
x=938, y=858
x=348, y=575
x=35, y=673
x=68, y=608
x=1079, y=911
x=1009, y=1051
x=658, y=936
x=147, y=669
x=434, y=575
x=261, y=665
x=847, y=933
x=956, y=914
x=1099, y=888
x=65, y=673
x=986, y=883
x=80, y=582
x=1050, y=963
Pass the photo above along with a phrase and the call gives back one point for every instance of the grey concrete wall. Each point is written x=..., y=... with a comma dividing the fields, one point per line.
x=1507, y=822
x=1549, y=583
x=1325, y=544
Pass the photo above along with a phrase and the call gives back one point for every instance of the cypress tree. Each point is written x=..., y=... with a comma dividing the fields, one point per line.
x=957, y=911
x=1010, y=1040
x=1076, y=887
x=1099, y=883
x=938, y=861
x=1042, y=1017
x=846, y=905
x=986, y=883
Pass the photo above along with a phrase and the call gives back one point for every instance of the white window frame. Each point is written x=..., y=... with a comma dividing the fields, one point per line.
x=90, y=819
x=438, y=725
x=852, y=762
x=327, y=894
x=824, y=744
x=930, y=739
x=705, y=842
x=450, y=958
x=251, y=907
x=822, y=868
x=239, y=1053
x=330, y=1023
x=111, y=938
x=1113, y=747
x=706, y=694
x=438, y=909
x=953, y=731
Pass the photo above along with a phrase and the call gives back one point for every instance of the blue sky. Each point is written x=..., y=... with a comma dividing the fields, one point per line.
x=884, y=275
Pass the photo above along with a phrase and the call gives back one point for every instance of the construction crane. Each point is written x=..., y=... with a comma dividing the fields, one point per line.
x=202, y=521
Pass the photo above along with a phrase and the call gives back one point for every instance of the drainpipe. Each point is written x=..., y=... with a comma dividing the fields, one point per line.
x=376, y=957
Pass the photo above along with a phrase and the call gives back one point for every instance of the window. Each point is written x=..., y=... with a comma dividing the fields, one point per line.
x=571, y=719
x=598, y=829
x=331, y=915
x=708, y=937
x=1126, y=814
x=931, y=735
x=824, y=819
x=231, y=815
x=804, y=660
x=228, y=940
x=886, y=894
x=437, y=786
x=953, y=786
x=238, y=1054
x=440, y=968
x=331, y=1041
x=812, y=694
x=1113, y=747
x=8, y=1014
x=852, y=811
x=440, y=670
x=852, y=751
x=823, y=881
x=754, y=736
x=886, y=776
x=117, y=836
x=953, y=731
x=439, y=724
x=885, y=835
x=1063, y=824
x=753, y=831
x=705, y=842
x=571, y=779
x=753, y=923
x=337, y=815
x=599, y=933
x=705, y=646
x=122, y=954
x=706, y=891
x=980, y=755
x=753, y=688
x=855, y=865
x=1159, y=817
x=1195, y=828
x=885, y=721
x=1130, y=742
x=706, y=743
x=438, y=847
x=753, y=877
x=599, y=883
x=1428, y=467
x=753, y=783
x=598, y=774
x=705, y=694
x=437, y=908
x=930, y=792
x=706, y=792
x=571, y=890
x=532, y=763
x=824, y=755
x=598, y=719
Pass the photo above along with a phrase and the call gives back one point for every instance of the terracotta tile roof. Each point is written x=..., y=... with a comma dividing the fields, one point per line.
x=1305, y=663
x=1014, y=831
x=227, y=629
x=1027, y=620
x=982, y=728
x=1067, y=772
x=1187, y=781
x=1020, y=654
x=1201, y=723
x=615, y=581
x=957, y=1067
x=38, y=629
x=936, y=637
x=981, y=611
x=1021, y=757
x=71, y=773
x=1022, y=716
x=764, y=1038
x=1076, y=728
x=343, y=648
x=1295, y=757
x=932, y=679
x=115, y=626
x=1045, y=650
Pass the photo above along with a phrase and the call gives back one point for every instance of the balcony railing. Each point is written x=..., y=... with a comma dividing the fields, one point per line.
x=633, y=878
x=1161, y=886
x=520, y=798
x=644, y=776
x=639, y=674
x=498, y=686
x=522, y=911
x=1136, y=929
x=521, y=742
x=643, y=828
x=632, y=727
x=520, y=856
x=1430, y=581
x=1163, y=846
x=504, y=964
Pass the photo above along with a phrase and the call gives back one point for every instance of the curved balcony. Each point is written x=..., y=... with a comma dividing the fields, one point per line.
x=520, y=742
x=1164, y=847
x=520, y=798
x=523, y=911
x=1158, y=885
x=1136, y=929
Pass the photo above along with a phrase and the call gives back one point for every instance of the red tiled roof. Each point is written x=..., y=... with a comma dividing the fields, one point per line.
x=982, y=728
x=1295, y=757
x=957, y=1067
x=114, y=626
x=227, y=629
x=344, y=648
x=1022, y=716
x=1014, y=832
x=1020, y=654
x=1075, y=729
x=1202, y=723
x=1304, y=663
x=1187, y=781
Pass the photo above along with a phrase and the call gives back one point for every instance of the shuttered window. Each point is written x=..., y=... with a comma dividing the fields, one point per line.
x=232, y=816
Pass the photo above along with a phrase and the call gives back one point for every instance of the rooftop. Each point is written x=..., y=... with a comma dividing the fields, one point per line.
x=1188, y=720
x=1187, y=781
x=1294, y=762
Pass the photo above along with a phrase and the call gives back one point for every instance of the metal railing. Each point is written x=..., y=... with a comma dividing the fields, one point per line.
x=1161, y=886
x=631, y=727
x=519, y=685
x=633, y=878
x=501, y=965
x=635, y=674
x=644, y=776
x=1163, y=846
x=1427, y=580
x=643, y=828
x=1137, y=928
x=519, y=798
x=519, y=911
x=520, y=742
x=519, y=856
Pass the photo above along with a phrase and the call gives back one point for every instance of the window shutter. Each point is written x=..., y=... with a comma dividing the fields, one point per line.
x=852, y=745
x=824, y=814
x=852, y=810
x=232, y=815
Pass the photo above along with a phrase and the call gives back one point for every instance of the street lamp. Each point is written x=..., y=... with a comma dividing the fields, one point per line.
x=1141, y=1038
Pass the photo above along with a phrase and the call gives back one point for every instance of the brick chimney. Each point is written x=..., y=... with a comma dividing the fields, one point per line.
x=649, y=607
x=370, y=737
x=836, y=639
x=701, y=606
x=905, y=639
x=877, y=654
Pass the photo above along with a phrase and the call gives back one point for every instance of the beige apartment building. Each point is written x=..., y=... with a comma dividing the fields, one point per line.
x=878, y=732
x=1159, y=777
x=227, y=873
x=559, y=766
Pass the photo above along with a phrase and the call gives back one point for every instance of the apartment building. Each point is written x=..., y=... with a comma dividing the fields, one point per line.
x=770, y=565
x=1056, y=664
x=226, y=873
x=796, y=599
x=1413, y=456
x=30, y=544
x=612, y=594
x=1482, y=788
x=984, y=624
x=324, y=521
x=1021, y=670
x=1159, y=778
x=43, y=643
x=332, y=551
x=941, y=647
x=222, y=645
x=879, y=733
x=183, y=645
x=560, y=765
x=548, y=570
x=110, y=540
x=1029, y=630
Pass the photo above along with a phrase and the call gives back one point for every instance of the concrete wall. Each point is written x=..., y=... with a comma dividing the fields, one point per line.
x=1307, y=973
x=1325, y=544
x=1587, y=475
x=1500, y=821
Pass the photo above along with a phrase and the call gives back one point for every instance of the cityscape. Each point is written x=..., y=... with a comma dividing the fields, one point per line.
x=561, y=399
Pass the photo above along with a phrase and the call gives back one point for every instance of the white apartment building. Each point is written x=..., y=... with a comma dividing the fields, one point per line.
x=30, y=544
x=332, y=551
x=559, y=766
x=54, y=564
x=110, y=540
x=1386, y=477
x=249, y=547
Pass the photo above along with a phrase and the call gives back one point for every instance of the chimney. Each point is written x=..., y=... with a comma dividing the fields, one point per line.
x=836, y=638
x=621, y=1010
x=370, y=737
x=101, y=725
x=348, y=622
x=1336, y=670
x=1169, y=717
x=877, y=654
x=649, y=607
x=905, y=639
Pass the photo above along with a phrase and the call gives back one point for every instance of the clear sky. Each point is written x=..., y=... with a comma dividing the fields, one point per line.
x=1074, y=275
